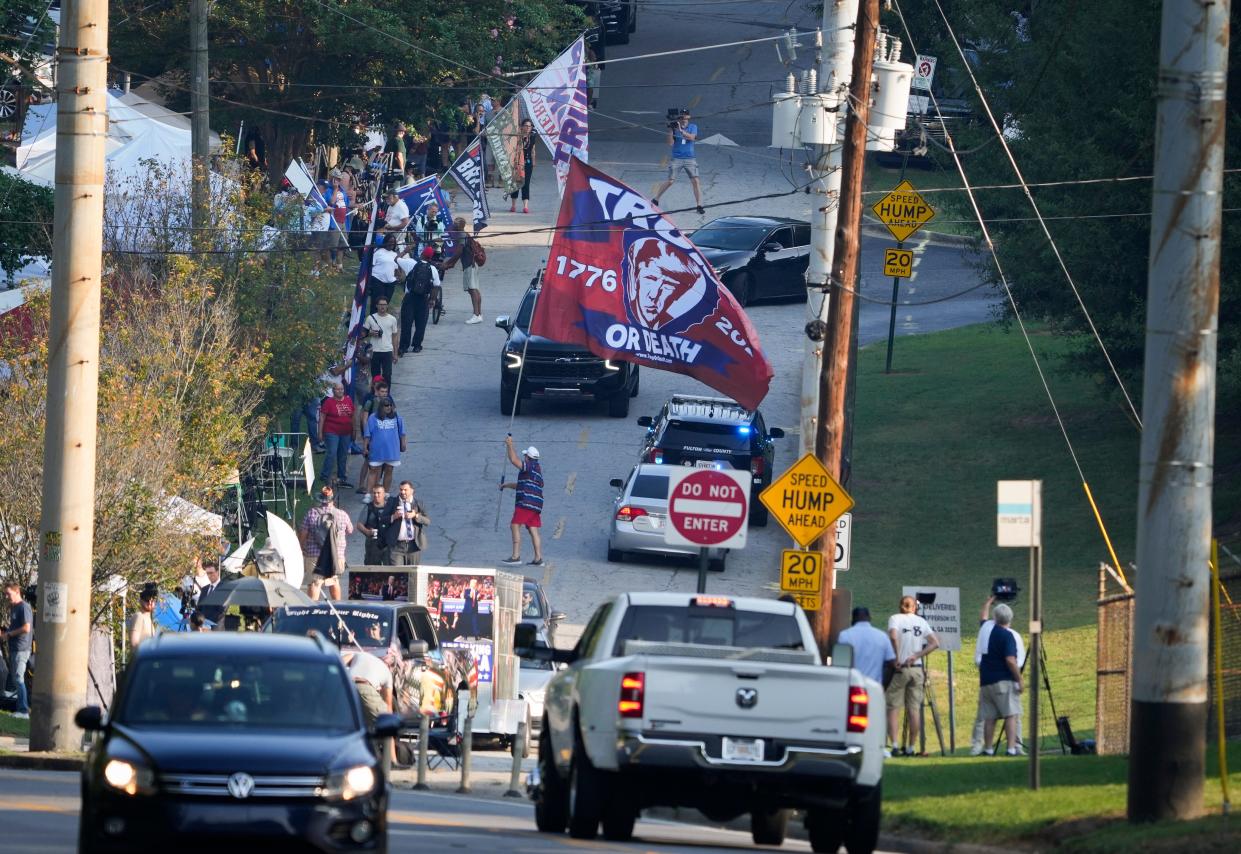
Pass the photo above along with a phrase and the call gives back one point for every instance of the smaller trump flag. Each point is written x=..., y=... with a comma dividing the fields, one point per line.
x=624, y=282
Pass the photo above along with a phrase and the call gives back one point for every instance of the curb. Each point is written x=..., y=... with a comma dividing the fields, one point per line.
x=41, y=761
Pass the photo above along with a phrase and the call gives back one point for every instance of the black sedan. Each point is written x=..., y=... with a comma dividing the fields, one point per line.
x=757, y=257
x=243, y=741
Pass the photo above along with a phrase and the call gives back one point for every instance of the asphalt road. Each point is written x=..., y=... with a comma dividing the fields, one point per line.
x=38, y=811
x=449, y=393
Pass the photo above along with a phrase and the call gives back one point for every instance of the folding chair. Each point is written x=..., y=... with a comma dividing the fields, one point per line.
x=447, y=755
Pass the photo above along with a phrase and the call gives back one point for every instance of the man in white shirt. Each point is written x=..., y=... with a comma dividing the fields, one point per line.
x=384, y=332
x=373, y=681
x=912, y=640
x=397, y=218
x=387, y=266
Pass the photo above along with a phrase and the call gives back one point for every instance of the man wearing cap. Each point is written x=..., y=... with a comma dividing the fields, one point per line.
x=322, y=537
x=419, y=283
x=681, y=136
x=528, y=513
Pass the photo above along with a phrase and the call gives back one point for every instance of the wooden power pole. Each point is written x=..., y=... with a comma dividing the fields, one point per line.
x=200, y=130
x=1169, y=711
x=66, y=530
x=830, y=428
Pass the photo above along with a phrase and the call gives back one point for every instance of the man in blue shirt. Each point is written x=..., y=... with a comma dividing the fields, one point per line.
x=681, y=136
x=20, y=636
x=872, y=648
x=999, y=678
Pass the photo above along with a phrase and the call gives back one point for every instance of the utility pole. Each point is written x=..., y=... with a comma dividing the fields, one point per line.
x=835, y=70
x=1169, y=711
x=200, y=130
x=833, y=375
x=66, y=530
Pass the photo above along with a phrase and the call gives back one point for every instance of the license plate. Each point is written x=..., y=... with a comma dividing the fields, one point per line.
x=656, y=521
x=704, y=464
x=742, y=749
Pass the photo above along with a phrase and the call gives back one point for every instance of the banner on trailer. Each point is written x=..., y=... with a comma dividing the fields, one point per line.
x=504, y=141
x=626, y=283
x=556, y=103
x=468, y=173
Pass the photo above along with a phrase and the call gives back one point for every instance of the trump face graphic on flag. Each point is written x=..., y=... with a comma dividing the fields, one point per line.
x=662, y=285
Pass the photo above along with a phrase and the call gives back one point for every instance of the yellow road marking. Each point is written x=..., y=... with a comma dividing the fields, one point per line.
x=33, y=806
x=559, y=529
x=570, y=483
x=583, y=439
x=715, y=74
x=693, y=102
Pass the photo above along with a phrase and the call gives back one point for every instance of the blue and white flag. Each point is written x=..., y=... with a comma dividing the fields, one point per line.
x=556, y=103
x=469, y=173
x=418, y=195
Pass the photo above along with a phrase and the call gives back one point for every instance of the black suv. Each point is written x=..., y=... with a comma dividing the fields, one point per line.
x=228, y=738
x=713, y=432
x=553, y=370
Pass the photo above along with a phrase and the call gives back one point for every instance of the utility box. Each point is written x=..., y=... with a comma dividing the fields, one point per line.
x=890, y=85
x=785, y=109
x=819, y=121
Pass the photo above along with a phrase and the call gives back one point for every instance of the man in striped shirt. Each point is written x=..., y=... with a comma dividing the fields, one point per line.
x=528, y=513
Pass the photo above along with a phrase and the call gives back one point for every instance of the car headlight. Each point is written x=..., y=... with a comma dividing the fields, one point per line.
x=610, y=365
x=129, y=778
x=352, y=783
x=512, y=360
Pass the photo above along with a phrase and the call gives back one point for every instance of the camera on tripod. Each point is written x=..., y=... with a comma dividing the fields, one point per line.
x=1005, y=589
x=674, y=115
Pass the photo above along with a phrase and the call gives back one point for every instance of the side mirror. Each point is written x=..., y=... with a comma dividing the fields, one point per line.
x=89, y=718
x=556, y=616
x=842, y=655
x=771, y=246
x=417, y=649
x=617, y=483
x=776, y=433
x=386, y=726
x=504, y=322
x=645, y=421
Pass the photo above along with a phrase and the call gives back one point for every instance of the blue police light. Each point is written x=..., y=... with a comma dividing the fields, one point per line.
x=744, y=431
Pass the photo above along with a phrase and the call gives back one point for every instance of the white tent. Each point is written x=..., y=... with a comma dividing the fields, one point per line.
x=133, y=136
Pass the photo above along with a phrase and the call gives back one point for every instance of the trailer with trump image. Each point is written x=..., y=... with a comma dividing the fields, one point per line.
x=625, y=282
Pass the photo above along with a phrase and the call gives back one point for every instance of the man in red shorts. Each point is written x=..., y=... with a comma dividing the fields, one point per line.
x=528, y=513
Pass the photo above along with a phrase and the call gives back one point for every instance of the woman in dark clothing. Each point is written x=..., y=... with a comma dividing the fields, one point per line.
x=527, y=157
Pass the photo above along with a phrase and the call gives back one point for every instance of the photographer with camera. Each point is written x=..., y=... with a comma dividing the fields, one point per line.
x=681, y=135
x=1005, y=592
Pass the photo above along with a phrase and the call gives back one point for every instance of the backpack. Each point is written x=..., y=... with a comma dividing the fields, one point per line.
x=479, y=253
x=420, y=279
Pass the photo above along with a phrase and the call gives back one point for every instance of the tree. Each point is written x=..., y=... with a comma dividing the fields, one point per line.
x=25, y=222
x=322, y=69
x=1077, y=83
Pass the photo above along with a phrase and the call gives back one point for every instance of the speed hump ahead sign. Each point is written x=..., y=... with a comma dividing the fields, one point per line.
x=806, y=500
x=903, y=210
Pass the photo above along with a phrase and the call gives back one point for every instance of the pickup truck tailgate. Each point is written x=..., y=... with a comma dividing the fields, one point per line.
x=744, y=697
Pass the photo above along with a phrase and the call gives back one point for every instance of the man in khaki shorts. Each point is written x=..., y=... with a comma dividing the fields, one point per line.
x=913, y=640
x=373, y=681
x=1000, y=684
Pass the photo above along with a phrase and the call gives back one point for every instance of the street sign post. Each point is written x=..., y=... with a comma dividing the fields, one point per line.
x=898, y=263
x=707, y=508
x=806, y=500
x=1019, y=524
x=903, y=211
x=844, y=541
x=924, y=72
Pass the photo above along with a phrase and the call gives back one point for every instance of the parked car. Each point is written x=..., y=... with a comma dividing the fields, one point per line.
x=757, y=257
x=425, y=677
x=536, y=609
x=533, y=366
x=713, y=432
x=222, y=737
x=640, y=516
x=717, y=703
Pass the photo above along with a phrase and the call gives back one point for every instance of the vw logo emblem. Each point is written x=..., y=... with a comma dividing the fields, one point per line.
x=240, y=785
x=747, y=698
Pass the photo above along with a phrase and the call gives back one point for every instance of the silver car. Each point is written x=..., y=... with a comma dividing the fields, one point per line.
x=640, y=516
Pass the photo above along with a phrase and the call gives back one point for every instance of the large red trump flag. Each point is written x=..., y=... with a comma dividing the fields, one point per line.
x=624, y=282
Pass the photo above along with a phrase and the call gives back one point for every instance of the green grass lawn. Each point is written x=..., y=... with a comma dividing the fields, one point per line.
x=1080, y=805
x=12, y=726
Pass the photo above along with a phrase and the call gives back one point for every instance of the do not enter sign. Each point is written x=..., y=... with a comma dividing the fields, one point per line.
x=708, y=508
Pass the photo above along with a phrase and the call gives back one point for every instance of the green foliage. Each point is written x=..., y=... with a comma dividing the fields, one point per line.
x=1089, y=114
x=25, y=222
x=29, y=17
x=289, y=68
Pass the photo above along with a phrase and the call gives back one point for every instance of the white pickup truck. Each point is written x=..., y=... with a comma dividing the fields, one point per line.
x=712, y=702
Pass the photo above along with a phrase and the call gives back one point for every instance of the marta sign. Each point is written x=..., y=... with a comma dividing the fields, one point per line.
x=806, y=500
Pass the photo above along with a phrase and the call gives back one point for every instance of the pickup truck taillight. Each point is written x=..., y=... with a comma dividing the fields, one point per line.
x=632, y=688
x=628, y=514
x=859, y=706
x=758, y=465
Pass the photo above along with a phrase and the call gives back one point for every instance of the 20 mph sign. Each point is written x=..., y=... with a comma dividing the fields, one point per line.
x=707, y=508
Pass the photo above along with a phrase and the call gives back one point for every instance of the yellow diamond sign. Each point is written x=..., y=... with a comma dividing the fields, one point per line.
x=903, y=210
x=806, y=500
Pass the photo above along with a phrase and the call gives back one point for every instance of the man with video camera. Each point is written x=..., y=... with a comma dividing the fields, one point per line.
x=681, y=135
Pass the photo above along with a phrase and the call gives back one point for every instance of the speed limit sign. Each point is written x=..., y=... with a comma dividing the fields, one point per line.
x=844, y=540
x=898, y=263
